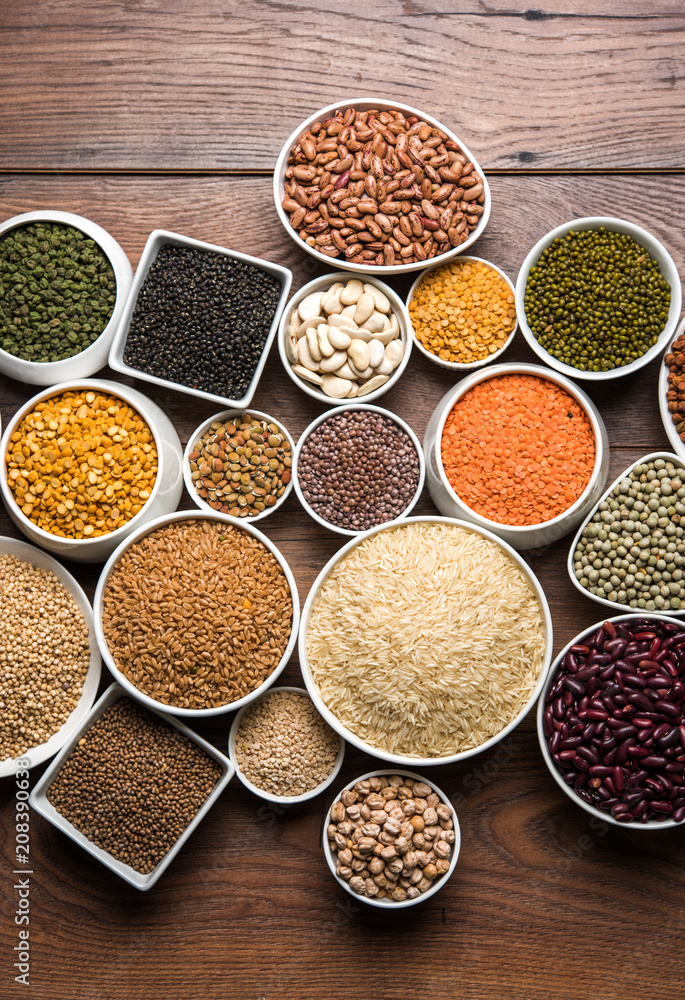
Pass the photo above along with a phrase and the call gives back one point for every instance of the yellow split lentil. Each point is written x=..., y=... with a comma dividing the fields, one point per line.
x=81, y=464
x=463, y=312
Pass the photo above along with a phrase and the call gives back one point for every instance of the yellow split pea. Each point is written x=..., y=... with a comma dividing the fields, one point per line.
x=463, y=312
x=81, y=464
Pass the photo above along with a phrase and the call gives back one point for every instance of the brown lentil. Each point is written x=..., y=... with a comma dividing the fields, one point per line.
x=463, y=312
x=283, y=746
x=81, y=464
x=44, y=656
x=675, y=395
x=241, y=467
x=132, y=784
x=197, y=613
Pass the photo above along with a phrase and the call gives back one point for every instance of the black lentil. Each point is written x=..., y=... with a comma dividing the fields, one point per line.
x=57, y=291
x=201, y=320
x=358, y=469
x=132, y=784
x=596, y=300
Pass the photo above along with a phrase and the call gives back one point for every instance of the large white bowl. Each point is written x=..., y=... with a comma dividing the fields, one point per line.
x=655, y=249
x=368, y=104
x=98, y=607
x=165, y=493
x=528, y=536
x=350, y=737
x=94, y=357
x=676, y=441
x=37, y=557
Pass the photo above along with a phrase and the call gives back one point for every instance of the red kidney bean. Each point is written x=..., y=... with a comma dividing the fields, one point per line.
x=668, y=708
x=679, y=814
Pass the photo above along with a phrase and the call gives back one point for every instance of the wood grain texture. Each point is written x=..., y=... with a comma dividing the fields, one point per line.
x=220, y=86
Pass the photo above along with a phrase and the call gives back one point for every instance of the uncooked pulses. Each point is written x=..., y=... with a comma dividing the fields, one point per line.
x=426, y=640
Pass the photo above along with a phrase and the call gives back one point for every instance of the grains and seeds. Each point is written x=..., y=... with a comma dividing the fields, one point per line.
x=241, y=466
x=197, y=613
x=376, y=187
x=393, y=837
x=675, y=395
x=132, y=784
x=81, y=464
x=596, y=300
x=426, y=639
x=463, y=311
x=283, y=746
x=201, y=320
x=614, y=719
x=345, y=339
x=358, y=469
x=518, y=449
x=57, y=291
x=632, y=551
x=44, y=656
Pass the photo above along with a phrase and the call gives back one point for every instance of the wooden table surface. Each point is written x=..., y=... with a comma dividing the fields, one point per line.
x=171, y=115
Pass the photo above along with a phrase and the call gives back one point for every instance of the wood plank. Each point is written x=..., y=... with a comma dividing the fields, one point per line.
x=118, y=86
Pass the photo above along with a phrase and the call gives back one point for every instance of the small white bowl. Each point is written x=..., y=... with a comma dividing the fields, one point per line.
x=349, y=532
x=203, y=429
x=605, y=817
x=93, y=357
x=36, y=557
x=320, y=284
x=155, y=241
x=98, y=607
x=653, y=247
x=368, y=104
x=391, y=904
x=677, y=443
x=39, y=801
x=527, y=536
x=616, y=605
x=459, y=366
x=165, y=493
x=283, y=800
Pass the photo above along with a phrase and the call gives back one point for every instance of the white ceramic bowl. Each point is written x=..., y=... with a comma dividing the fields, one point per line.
x=349, y=532
x=605, y=817
x=203, y=429
x=616, y=605
x=155, y=241
x=139, y=880
x=396, y=759
x=458, y=366
x=368, y=104
x=519, y=536
x=655, y=249
x=163, y=498
x=391, y=904
x=98, y=604
x=320, y=284
x=93, y=357
x=36, y=557
x=677, y=443
x=283, y=800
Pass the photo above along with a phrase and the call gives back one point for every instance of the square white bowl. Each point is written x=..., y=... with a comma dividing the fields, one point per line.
x=155, y=241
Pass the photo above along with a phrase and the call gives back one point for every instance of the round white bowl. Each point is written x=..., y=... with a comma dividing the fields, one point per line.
x=368, y=104
x=391, y=904
x=203, y=429
x=616, y=605
x=98, y=604
x=606, y=817
x=655, y=249
x=37, y=755
x=396, y=759
x=283, y=800
x=320, y=284
x=94, y=357
x=349, y=532
x=458, y=366
x=528, y=536
x=674, y=438
x=163, y=498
